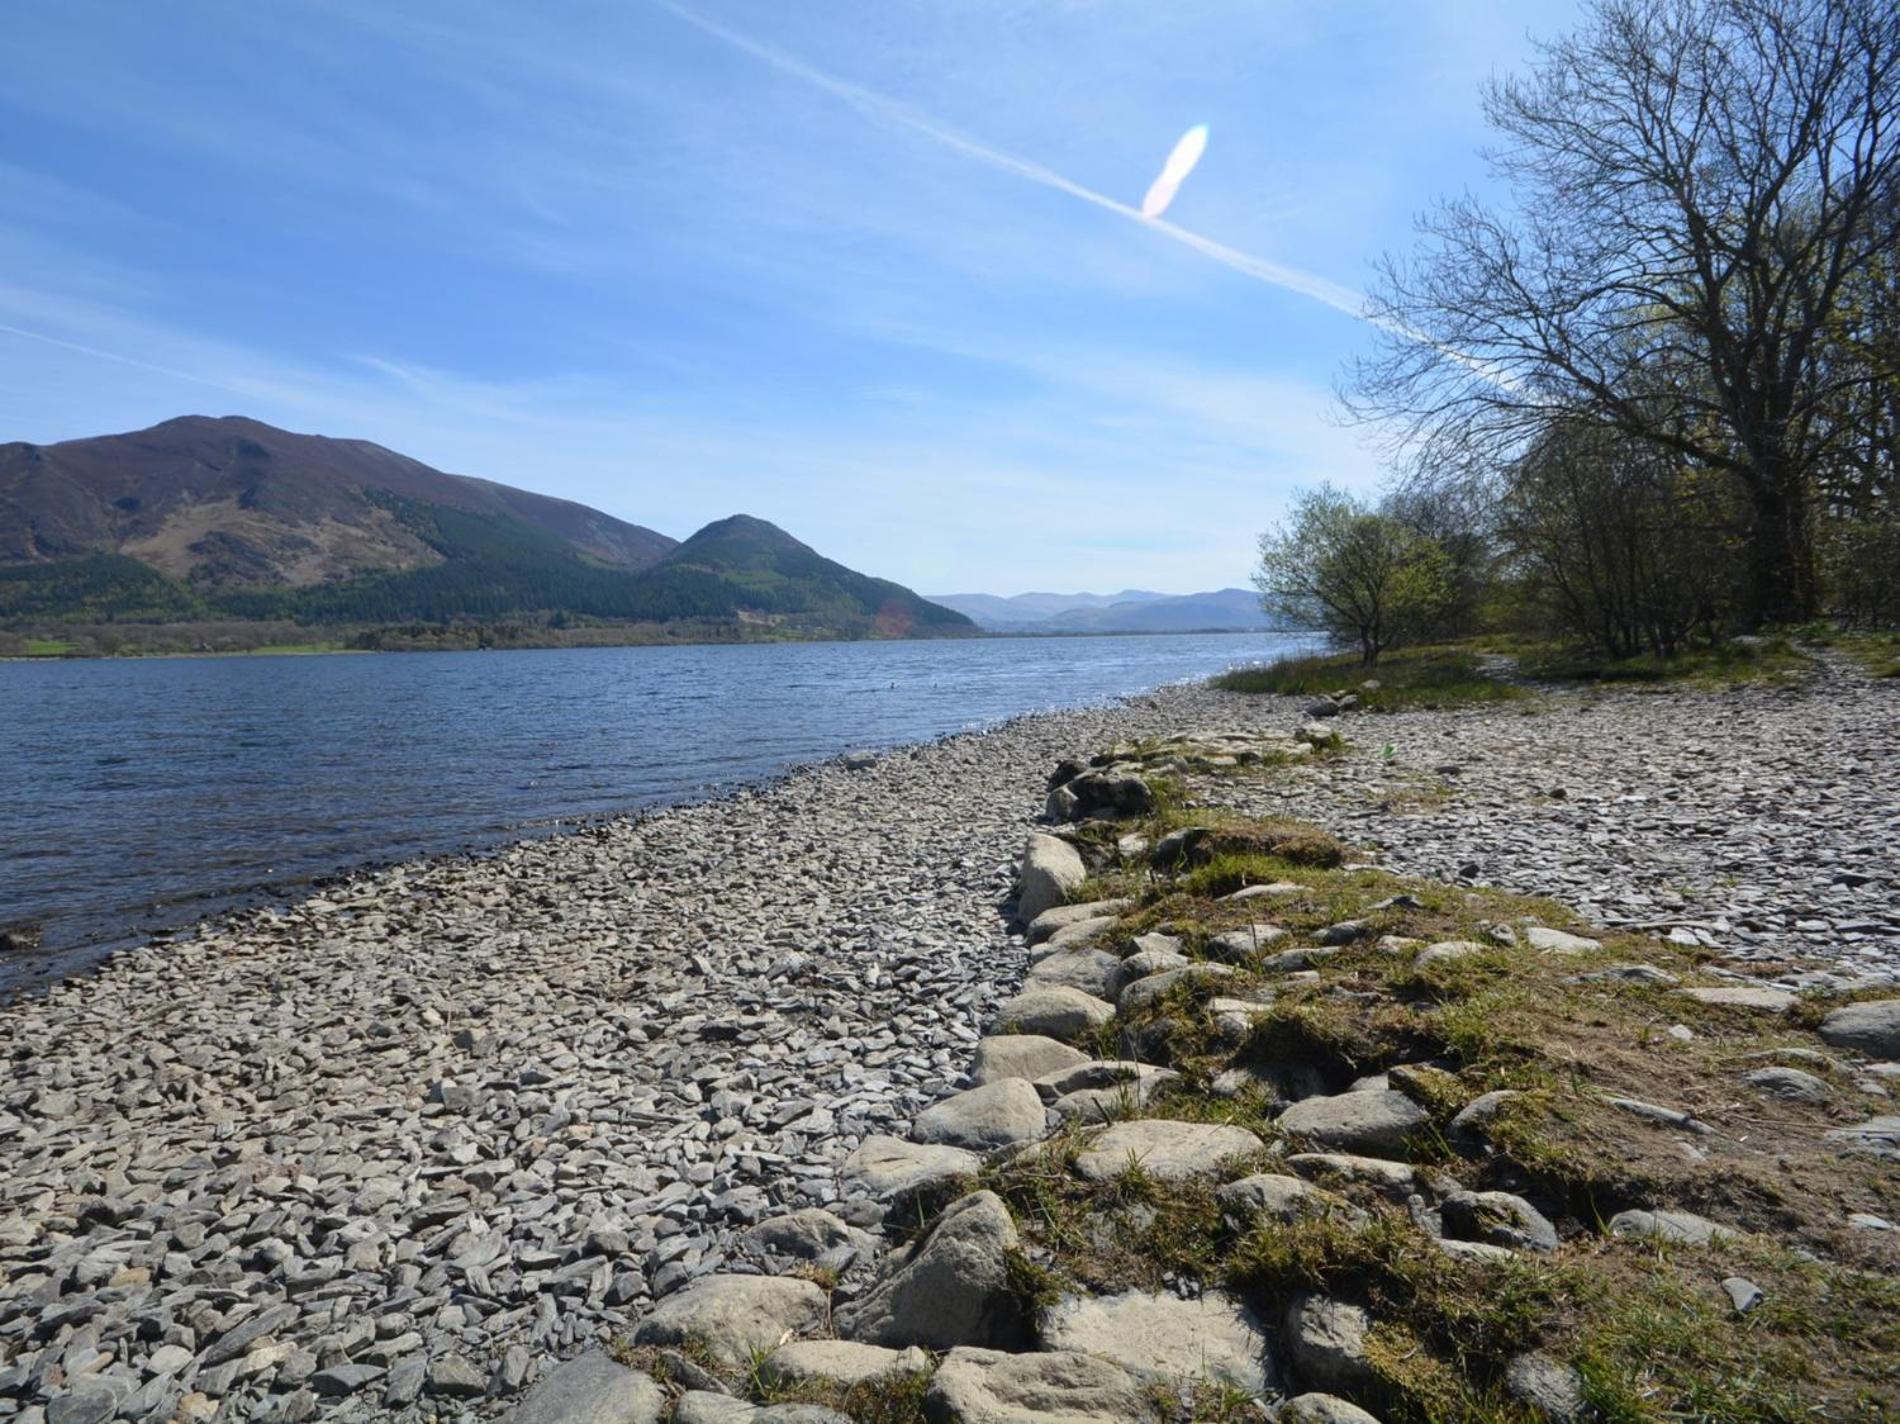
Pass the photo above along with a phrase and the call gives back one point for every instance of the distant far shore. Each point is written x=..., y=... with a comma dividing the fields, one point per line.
x=133, y=640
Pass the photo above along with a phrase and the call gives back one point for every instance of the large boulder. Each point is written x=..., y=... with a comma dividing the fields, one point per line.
x=1054, y=1011
x=1167, y=1150
x=1327, y=1340
x=1108, y=793
x=1095, y=972
x=1372, y=1123
x=892, y=1170
x=1498, y=1218
x=1053, y=1387
x=591, y=1389
x=1002, y=1114
x=1679, y=1228
x=1111, y=1098
x=1021, y=1055
x=845, y=1362
x=1075, y=935
x=1553, y=1391
x=1278, y=1198
x=1245, y=945
x=1215, y=1339
x=1062, y=916
x=1051, y=871
x=735, y=1317
x=1146, y=991
x=1397, y=1180
x=951, y=1288
x=808, y=1235
x=1871, y=1027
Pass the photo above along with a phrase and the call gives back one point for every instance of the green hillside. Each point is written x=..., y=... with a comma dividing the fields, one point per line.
x=494, y=567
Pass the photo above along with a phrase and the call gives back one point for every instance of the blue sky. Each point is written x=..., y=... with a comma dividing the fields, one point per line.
x=822, y=262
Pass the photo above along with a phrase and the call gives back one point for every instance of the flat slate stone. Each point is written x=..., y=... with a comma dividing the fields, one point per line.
x=1277, y=890
x=591, y=1389
x=1170, y=1151
x=735, y=1316
x=1323, y=1409
x=974, y=1386
x=1789, y=1084
x=1373, y=1122
x=1002, y=1114
x=1550, y=941
x=1878, y=1136
x=1742, y=996
x=1021, y=1055
x=1216, y=1339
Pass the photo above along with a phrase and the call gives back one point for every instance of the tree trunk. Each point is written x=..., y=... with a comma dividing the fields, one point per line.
x=1780, y=554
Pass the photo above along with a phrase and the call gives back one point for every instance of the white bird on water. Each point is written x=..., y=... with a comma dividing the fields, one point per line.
x=1181, y=161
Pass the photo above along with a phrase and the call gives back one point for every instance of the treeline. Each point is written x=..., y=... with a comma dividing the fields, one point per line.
x=1654, y=397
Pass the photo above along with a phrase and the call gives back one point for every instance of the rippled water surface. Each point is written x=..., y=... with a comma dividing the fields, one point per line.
x=141, y=793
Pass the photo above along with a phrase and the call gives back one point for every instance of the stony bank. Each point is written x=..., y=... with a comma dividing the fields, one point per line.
x=1509, y=1063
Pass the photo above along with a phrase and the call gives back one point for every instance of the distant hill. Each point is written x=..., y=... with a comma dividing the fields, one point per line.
x=1227, y=609
x=749, y=564
x=230, y=501
x=202, y=518
x=1017, y=610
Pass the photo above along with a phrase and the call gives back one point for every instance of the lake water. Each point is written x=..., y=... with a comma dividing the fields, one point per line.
x=140, y=794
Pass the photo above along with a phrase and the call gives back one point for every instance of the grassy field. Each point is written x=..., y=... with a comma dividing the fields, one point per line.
x=1449, y=676
x=1734, y=663
x=1494, y=669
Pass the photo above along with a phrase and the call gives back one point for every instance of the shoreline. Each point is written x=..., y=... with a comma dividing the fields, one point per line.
x=244, y=903
x=312, y=651
x=547, y=1086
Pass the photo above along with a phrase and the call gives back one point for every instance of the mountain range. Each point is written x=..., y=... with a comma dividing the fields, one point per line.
x=229, y=518
x=1130, y=611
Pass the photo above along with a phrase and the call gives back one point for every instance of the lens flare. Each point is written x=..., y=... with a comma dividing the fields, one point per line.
x=1174, y=172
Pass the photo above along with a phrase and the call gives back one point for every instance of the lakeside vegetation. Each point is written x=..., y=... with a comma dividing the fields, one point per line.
x=1650, y=397
x=1482, y=670
x=1556, y=1069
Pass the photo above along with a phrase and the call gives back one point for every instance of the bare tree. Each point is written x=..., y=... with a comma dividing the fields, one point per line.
x=1696, y=183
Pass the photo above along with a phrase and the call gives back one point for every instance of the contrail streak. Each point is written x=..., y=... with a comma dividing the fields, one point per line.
x=132, y=361
x=878, y=106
